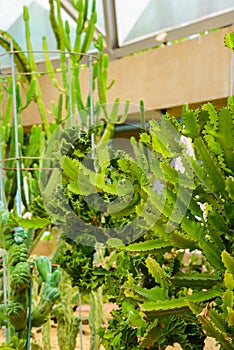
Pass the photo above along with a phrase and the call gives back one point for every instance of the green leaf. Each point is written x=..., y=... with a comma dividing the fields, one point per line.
x=212, y=254
x=157, y=244
x=157, y=272
x=194, y=280
x=152, y=335
x=218, y=320
x=115, y=243
x=202, y=177
x=228, y=261
x=217, y=222
x=191, y=127
x=69, y=168
x=230, y=187
x=183, y=241
x=228, y=280
x=114, y=111
x=210, y=166
x=178, y=305
x=30, y=94
x=193, y=228
x=155, y=293
x=74, y=188
x=34, y=222
x=229, y=40
x=116, y=340
x=226, y=136
x=230, y=318
x=209, y=107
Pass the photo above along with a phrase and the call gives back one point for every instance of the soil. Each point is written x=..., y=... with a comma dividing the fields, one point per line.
x=209, y=343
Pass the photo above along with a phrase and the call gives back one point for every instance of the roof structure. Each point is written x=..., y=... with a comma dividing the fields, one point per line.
x=136, y=25
x=127, y=26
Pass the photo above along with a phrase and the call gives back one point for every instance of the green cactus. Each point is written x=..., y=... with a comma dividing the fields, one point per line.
x=67, y=322
x=18, y=248
x=20, y=57
x=49, y=291
x=167, y=298
x=15, y=240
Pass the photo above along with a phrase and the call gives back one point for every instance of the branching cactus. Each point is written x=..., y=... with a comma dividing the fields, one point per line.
x=196, y=296
x=49, y=291
x=30, y=146
x=68, y=323
x=15, y=314
x=85, y=28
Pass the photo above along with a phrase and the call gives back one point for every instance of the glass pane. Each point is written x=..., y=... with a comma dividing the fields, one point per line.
x=11, y=11
x=100, y=16
x=137, y=18
x=11, y=20
x=128, y=13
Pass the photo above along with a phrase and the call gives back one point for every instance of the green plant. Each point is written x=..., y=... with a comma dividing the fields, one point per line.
x=15, y=344
x=67, y=323
x=229, y=40
x=162, y=289
x=195, y=296
x=31, y=150
x=16, y=241
x=160, y=297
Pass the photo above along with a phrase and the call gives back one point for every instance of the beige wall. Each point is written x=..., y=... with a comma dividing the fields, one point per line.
x=193, y=71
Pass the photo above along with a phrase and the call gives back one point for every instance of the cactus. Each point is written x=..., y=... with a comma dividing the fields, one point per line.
x=49, y=292
x=45, y=332
x=19, y=247
x=68, y=324
x=16, y=241
x=167, y=291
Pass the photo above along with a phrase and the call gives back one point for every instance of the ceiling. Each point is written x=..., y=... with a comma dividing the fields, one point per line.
x=127, y=26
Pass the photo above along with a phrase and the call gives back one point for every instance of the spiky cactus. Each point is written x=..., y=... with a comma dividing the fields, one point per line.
x=15, y=313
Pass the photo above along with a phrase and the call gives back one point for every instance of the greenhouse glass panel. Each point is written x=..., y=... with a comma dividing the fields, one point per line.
x=137, y=19
x=100, y=18
x=11, y=20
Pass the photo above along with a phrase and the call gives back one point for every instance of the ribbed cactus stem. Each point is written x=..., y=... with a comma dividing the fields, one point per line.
x=67, y=323
x=96, y=314
x=46, y=339
x=74, y=331
x=96, y=317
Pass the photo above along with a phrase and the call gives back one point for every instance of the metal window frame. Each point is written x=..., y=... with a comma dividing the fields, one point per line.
x=115, y=50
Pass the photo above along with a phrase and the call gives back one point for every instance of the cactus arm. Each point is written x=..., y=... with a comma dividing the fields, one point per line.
x=74, y=331
x=100, y=76
x=9, y=106
x=49, y=293
x=49, y=66
x=41, y=107
x=64, y=38
x=78, y=98
x=89, y=32
x=46, y=338
x=32, y=62
x=20, y=58
x=79, y=26
x=42, y=311
x=30, y=94
x=54, y=24
x=96, y=317
x=33, y=67
x=44, y=267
